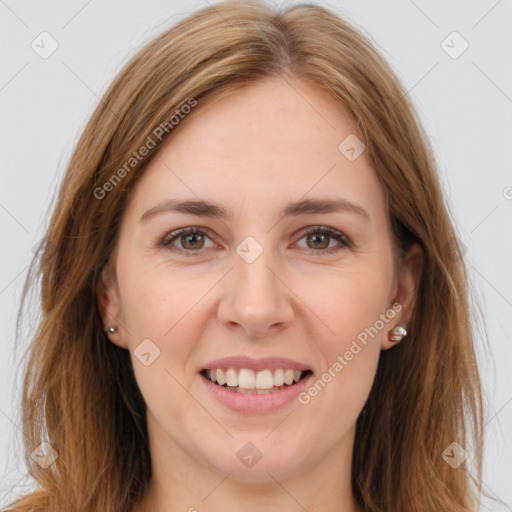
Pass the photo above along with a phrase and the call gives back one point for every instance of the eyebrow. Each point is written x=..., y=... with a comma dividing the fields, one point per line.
x=210, y=209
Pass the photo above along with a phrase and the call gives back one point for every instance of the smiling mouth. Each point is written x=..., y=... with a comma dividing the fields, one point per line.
x=252, y=382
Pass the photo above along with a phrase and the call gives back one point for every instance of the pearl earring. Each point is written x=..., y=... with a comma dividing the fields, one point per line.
x=397, y=333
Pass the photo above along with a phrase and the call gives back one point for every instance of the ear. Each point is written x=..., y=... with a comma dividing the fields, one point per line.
x=109, y=304
x=406, y=290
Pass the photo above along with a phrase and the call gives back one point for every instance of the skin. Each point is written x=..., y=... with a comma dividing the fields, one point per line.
x=252, y=152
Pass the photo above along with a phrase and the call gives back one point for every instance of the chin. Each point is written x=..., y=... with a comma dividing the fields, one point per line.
x=260, y=459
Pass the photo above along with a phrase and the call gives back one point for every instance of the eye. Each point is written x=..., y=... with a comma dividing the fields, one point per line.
x=192, y=240
x=320, y=238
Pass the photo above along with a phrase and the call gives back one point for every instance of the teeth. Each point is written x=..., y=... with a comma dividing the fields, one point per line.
x=279, y=377
x=264, y=380
x=231, y=377
x=247, y=380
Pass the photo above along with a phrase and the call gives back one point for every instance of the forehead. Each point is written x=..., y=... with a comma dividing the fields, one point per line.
x=269, y=143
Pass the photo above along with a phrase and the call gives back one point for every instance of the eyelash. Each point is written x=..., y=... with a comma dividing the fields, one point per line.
x=166, y=241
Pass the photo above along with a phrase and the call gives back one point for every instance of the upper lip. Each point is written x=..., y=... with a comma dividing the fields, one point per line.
x=263, y=363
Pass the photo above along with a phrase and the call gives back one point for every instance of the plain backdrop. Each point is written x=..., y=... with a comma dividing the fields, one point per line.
x=464, y=96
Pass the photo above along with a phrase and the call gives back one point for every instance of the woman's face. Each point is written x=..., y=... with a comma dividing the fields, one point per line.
x=260, y=295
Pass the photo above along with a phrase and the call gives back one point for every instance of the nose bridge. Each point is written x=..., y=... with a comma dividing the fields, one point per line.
x=256, y=298
x=255, y=280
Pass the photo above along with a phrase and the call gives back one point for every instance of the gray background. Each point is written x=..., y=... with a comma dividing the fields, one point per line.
x=465, y=104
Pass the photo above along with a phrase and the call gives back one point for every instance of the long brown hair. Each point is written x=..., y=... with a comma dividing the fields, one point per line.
x=80, y=394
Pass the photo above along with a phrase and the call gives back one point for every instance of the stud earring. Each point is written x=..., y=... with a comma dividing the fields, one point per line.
x=397, y=333
x=111, y=330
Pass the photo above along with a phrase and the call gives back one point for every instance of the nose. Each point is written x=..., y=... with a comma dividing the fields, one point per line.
x=256, y=298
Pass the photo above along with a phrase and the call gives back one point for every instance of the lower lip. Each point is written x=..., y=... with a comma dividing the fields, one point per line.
x=269, y=402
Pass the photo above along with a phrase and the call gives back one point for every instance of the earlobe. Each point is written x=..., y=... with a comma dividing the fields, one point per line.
x=107, y=296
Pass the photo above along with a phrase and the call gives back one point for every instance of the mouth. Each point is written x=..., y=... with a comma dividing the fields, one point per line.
x=250, y=382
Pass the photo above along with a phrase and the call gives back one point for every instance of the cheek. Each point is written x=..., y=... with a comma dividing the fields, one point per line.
x=162, y=309
x=154, y=301
x=167, y=309
x=354, y=307
x=350, y=302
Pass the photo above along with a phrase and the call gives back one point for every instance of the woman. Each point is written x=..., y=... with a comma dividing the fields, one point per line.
x=252, y=291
